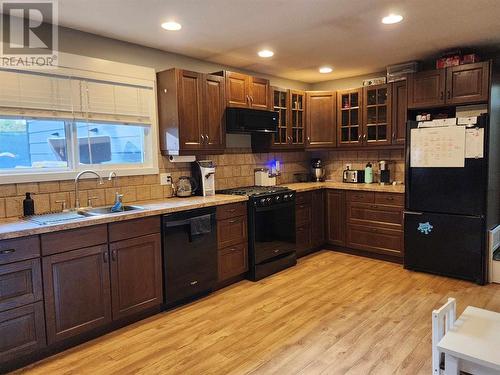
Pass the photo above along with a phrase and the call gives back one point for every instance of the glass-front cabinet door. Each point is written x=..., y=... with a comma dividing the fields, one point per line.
x=377, y=115
x=297, y=117
x=349, y=117
x=280, y=105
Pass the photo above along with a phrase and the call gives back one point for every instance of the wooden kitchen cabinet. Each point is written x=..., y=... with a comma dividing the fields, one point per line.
x=20, y=284
x=309, y=221
x=318, y=218
x=77, y=292
x=349, y=117
x=335, y=219
x=22, y=331
x=377, y=115
x=136, y=275
x=456, y=85
x=244, y=91
x=232, y=261
x=321, y=129
x=468, y=83
x=399, y=112
x=191, y=111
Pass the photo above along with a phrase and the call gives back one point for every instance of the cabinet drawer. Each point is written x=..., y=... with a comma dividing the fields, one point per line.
x=20, y=284
x=303, y=214
x=375, y=214
x=19, y=249
x=377, y=240
x=58, y=242
x=134, y=228
x=231, y=232
x=232, y=261
x=22, y=331
x=388, y=198
x=231, y=210
x=303, y=198
x=361, y=196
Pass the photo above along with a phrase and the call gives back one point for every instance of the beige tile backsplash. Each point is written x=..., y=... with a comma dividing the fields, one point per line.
x=234, y=169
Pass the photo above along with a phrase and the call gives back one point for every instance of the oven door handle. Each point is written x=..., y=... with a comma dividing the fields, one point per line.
x=274, y=207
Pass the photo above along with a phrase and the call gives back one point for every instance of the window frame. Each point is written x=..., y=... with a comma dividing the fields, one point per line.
x=83, y=67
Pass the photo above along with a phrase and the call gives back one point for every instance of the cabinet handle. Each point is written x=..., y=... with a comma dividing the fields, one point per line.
x=449, y=94
x=393, y=136
x=113, y=255
x=233, y=249
x=208, y=139
x=194, y=282
x=231, y=210
x=374, y=206
x=442, y=95
x=359, y=138
x=374, y=230
x=276, y=251
x=389, y=198
x=232, y=221
x=308, y=139
x=202, y=138
x=105, y=257
x=364, y=137
x=7, y=251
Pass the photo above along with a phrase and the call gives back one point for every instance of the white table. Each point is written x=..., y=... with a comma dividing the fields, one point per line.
x=473, y=344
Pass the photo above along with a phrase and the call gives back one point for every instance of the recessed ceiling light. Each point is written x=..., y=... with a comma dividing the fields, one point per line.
x=265, y=53
x=325, y=69
x=392, y=18
x=171, y=26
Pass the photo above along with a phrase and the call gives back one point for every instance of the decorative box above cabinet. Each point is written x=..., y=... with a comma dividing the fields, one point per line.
x=191, y=112
x=462, y=84
x=244, y=91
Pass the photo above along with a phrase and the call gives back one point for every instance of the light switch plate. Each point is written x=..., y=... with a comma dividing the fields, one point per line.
x=165, y=179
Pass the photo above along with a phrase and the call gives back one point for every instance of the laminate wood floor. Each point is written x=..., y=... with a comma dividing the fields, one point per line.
x=331, y=314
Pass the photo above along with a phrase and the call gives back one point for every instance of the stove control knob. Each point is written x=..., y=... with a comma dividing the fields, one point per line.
x=277, y=199
x=285, y=197
x=269, y=200
x=263, y=202
x=290, y=196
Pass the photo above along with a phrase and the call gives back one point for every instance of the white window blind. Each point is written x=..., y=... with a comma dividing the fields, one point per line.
x=43, y=95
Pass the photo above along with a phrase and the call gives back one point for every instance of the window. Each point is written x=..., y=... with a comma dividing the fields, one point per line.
x=62, y=125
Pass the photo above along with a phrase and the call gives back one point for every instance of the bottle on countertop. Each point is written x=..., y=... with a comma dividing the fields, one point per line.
x=368, y=173
x=28, y=205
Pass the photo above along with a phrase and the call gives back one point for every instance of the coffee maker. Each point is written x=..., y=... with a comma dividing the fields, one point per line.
x=317, y=170
x=385, y=172
x=203, y=172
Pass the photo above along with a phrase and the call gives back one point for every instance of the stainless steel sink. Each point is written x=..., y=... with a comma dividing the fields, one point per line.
x=99, y=211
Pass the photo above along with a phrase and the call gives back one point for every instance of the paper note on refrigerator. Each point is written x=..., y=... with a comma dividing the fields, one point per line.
x=474, y=143
x=438, y=147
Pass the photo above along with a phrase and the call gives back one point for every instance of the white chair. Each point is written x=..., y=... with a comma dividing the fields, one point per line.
x=442, y=320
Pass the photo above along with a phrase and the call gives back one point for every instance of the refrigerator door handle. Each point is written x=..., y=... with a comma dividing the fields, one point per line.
x=412, y=213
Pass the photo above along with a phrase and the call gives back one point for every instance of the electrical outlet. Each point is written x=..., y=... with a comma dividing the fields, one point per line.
x=165, y=179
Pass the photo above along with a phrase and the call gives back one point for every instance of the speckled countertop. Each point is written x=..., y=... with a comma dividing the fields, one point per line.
x=307, y=186
x=13, y=228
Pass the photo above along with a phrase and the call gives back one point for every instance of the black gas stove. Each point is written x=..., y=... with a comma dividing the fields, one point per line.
x=271, y=228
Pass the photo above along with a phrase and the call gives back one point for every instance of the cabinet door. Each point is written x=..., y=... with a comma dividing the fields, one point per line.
x=136, y=278
x=281, y=102
x=260, y=97
x=321, y=130
x=377, y=115
x=231, y=232
x=20, y=284
x=213, y=112
x=426, y=89
x=336, y=223
x=190, y=116
x=468, y=83
x=22, y=331
x=232, y=261
x=303, y=240
x=349, y=117
x=318, y=218
x=399, y=112
x=237, y=90
x=77, y=292
x=376, y=240
x=297, y=118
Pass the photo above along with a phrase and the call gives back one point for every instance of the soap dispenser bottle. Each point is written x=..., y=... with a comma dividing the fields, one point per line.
x=28, y=205
x=368, y=173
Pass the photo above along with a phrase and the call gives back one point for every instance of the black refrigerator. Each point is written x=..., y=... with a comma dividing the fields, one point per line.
x=446, y=208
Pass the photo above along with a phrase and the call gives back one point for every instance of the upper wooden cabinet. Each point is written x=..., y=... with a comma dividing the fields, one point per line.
x=320, y=119
x=191, y=111
x=377, y=115
x=290, y=105
x=461, y=84
x=399, y=112
x=245, y=91
x=349, y=117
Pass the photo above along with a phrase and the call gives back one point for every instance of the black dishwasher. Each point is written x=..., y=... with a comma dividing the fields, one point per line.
x=189, y=254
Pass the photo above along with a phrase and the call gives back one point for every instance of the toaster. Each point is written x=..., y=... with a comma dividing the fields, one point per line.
x=353, y=176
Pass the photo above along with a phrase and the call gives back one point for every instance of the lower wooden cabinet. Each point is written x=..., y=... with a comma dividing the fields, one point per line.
x=22, y=331
x=136, y=275
x=232, y=261
x=373, y=239
x=20, y=284
x=77, y=292
x=309, y=221
x=335, y=221
x=318, y=218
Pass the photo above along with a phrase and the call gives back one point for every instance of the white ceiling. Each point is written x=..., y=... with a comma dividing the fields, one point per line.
x=304, y=34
